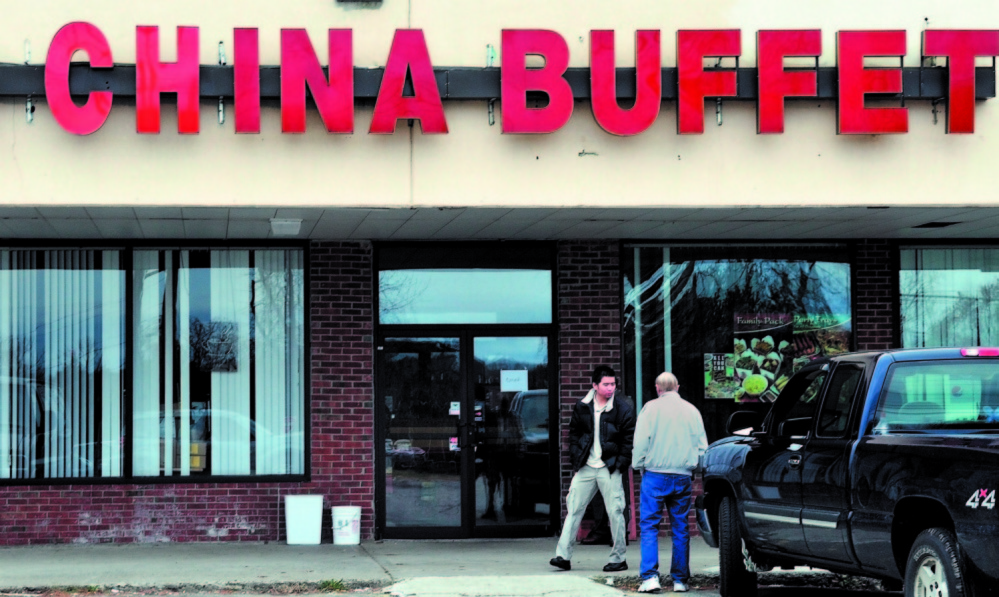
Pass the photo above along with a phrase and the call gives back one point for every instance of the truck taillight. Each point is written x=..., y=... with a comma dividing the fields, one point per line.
x=980, y=352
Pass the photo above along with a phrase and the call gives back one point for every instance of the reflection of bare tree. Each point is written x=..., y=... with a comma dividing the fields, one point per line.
x=213, y=345
x=397, y=290
x=686, y=307
x=939, y=318
x=709, y=292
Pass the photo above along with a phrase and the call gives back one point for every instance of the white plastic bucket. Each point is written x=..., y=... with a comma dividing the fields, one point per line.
x=346, y=525
x=303, y=516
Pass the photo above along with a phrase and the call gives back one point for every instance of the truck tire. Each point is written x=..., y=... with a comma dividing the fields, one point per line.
x=936, y=567
x=735, y=579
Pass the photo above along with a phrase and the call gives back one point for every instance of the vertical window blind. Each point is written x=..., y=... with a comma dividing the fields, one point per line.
x=61, y=364
x=217, y=363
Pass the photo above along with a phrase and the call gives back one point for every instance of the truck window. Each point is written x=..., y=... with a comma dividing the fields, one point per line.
x=957, y=394
x=799, y=399
x=836, y=407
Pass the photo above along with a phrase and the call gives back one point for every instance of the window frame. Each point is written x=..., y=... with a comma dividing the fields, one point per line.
x=126, y=250
x=846, y=414
x=830, y=250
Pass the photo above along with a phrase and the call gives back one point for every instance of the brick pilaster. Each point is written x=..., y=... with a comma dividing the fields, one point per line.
x=589, y=316
x=876, y=279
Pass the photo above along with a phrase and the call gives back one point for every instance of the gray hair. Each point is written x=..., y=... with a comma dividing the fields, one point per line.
x=666, y=382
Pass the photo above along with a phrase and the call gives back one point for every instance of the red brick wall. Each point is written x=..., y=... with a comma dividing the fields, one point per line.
x=342, y=446
x=874, y=269
x=343, y=423
x=589, y=317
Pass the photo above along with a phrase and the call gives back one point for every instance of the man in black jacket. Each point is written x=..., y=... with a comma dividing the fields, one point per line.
x=601, y=434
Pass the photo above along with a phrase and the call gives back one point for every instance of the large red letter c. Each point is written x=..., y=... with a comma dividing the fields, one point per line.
x=74, y=37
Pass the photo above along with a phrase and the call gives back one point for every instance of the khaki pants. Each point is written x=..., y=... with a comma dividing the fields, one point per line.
x=585, y=485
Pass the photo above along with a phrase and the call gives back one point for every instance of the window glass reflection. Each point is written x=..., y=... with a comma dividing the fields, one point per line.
x=421, y=397
x=218, y=363
x=61, y=363
x=949, y=297
x=423, y=296
x=512, y=439
x=733, y=322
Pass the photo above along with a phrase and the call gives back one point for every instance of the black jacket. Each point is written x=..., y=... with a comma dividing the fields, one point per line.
x=617, y=434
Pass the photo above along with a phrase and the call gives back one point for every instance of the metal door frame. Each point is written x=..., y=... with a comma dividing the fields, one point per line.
x=466, y=333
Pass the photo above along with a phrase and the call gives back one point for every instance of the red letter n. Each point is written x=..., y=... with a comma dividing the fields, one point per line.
x=300, y=67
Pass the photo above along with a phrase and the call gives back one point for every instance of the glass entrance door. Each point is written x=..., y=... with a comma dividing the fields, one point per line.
x=513, y=475
x=465, y=446
x=420, y=403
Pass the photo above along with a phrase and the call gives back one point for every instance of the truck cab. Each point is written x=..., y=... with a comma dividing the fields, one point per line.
x=860, y=457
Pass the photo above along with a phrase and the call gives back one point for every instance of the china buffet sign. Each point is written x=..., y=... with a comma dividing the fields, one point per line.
x=334, y=94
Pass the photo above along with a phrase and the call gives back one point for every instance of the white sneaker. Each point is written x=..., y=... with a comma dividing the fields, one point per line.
x=679, y=587
x=650, y=585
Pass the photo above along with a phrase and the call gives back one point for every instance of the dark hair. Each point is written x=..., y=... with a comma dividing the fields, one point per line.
x=602, y=371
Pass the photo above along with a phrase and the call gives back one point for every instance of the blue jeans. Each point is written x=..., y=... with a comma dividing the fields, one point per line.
x=660, y=491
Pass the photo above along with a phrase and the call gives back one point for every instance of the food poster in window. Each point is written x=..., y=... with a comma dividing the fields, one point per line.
x=719, y=376
x=760, y=348
x=826, y=334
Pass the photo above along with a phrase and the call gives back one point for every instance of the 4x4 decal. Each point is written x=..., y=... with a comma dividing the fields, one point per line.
x=982, y=497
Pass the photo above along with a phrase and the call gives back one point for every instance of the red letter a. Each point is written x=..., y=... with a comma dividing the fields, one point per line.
x=409, y=53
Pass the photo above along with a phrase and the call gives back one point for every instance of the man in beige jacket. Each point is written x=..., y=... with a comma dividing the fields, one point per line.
x=669, y=442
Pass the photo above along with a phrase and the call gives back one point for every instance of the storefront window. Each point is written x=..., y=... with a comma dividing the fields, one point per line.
x=61, y=364
x=734, y=322
x=212, y=343
x=423, y=296
x=219, y=363
x=949, y=296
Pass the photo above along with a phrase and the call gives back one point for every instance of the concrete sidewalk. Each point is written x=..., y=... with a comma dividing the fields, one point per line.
x=256, y=567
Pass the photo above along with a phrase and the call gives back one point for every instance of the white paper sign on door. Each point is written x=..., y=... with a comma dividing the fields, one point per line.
x=513, y=381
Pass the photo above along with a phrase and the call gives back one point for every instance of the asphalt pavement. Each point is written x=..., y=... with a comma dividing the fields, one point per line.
x=407, y=568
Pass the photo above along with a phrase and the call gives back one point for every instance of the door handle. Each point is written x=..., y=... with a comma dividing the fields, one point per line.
x=464, y=435
x=794, y=461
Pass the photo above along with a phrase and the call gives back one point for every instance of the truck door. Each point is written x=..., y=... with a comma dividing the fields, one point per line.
x=772, y=493
x=824, y=474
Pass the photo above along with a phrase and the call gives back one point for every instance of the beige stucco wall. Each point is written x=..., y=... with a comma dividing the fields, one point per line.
x=476, y=165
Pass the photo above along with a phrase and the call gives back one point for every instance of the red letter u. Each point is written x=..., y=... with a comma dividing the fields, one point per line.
x=648, y=83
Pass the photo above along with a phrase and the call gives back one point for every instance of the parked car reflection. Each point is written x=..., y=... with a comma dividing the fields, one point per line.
x=531, y=483
x=220, y=441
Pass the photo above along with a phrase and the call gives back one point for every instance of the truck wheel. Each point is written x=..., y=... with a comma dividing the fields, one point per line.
x=735, y=577
x=935, y=566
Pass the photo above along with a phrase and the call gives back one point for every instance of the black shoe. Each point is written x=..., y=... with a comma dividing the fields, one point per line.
x=560, y=562
x=620, y=566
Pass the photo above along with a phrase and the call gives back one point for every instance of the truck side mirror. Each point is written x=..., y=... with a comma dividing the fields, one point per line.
x=744, y=422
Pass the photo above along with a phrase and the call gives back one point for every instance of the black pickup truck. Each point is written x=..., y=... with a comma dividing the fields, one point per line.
x=883, y=464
